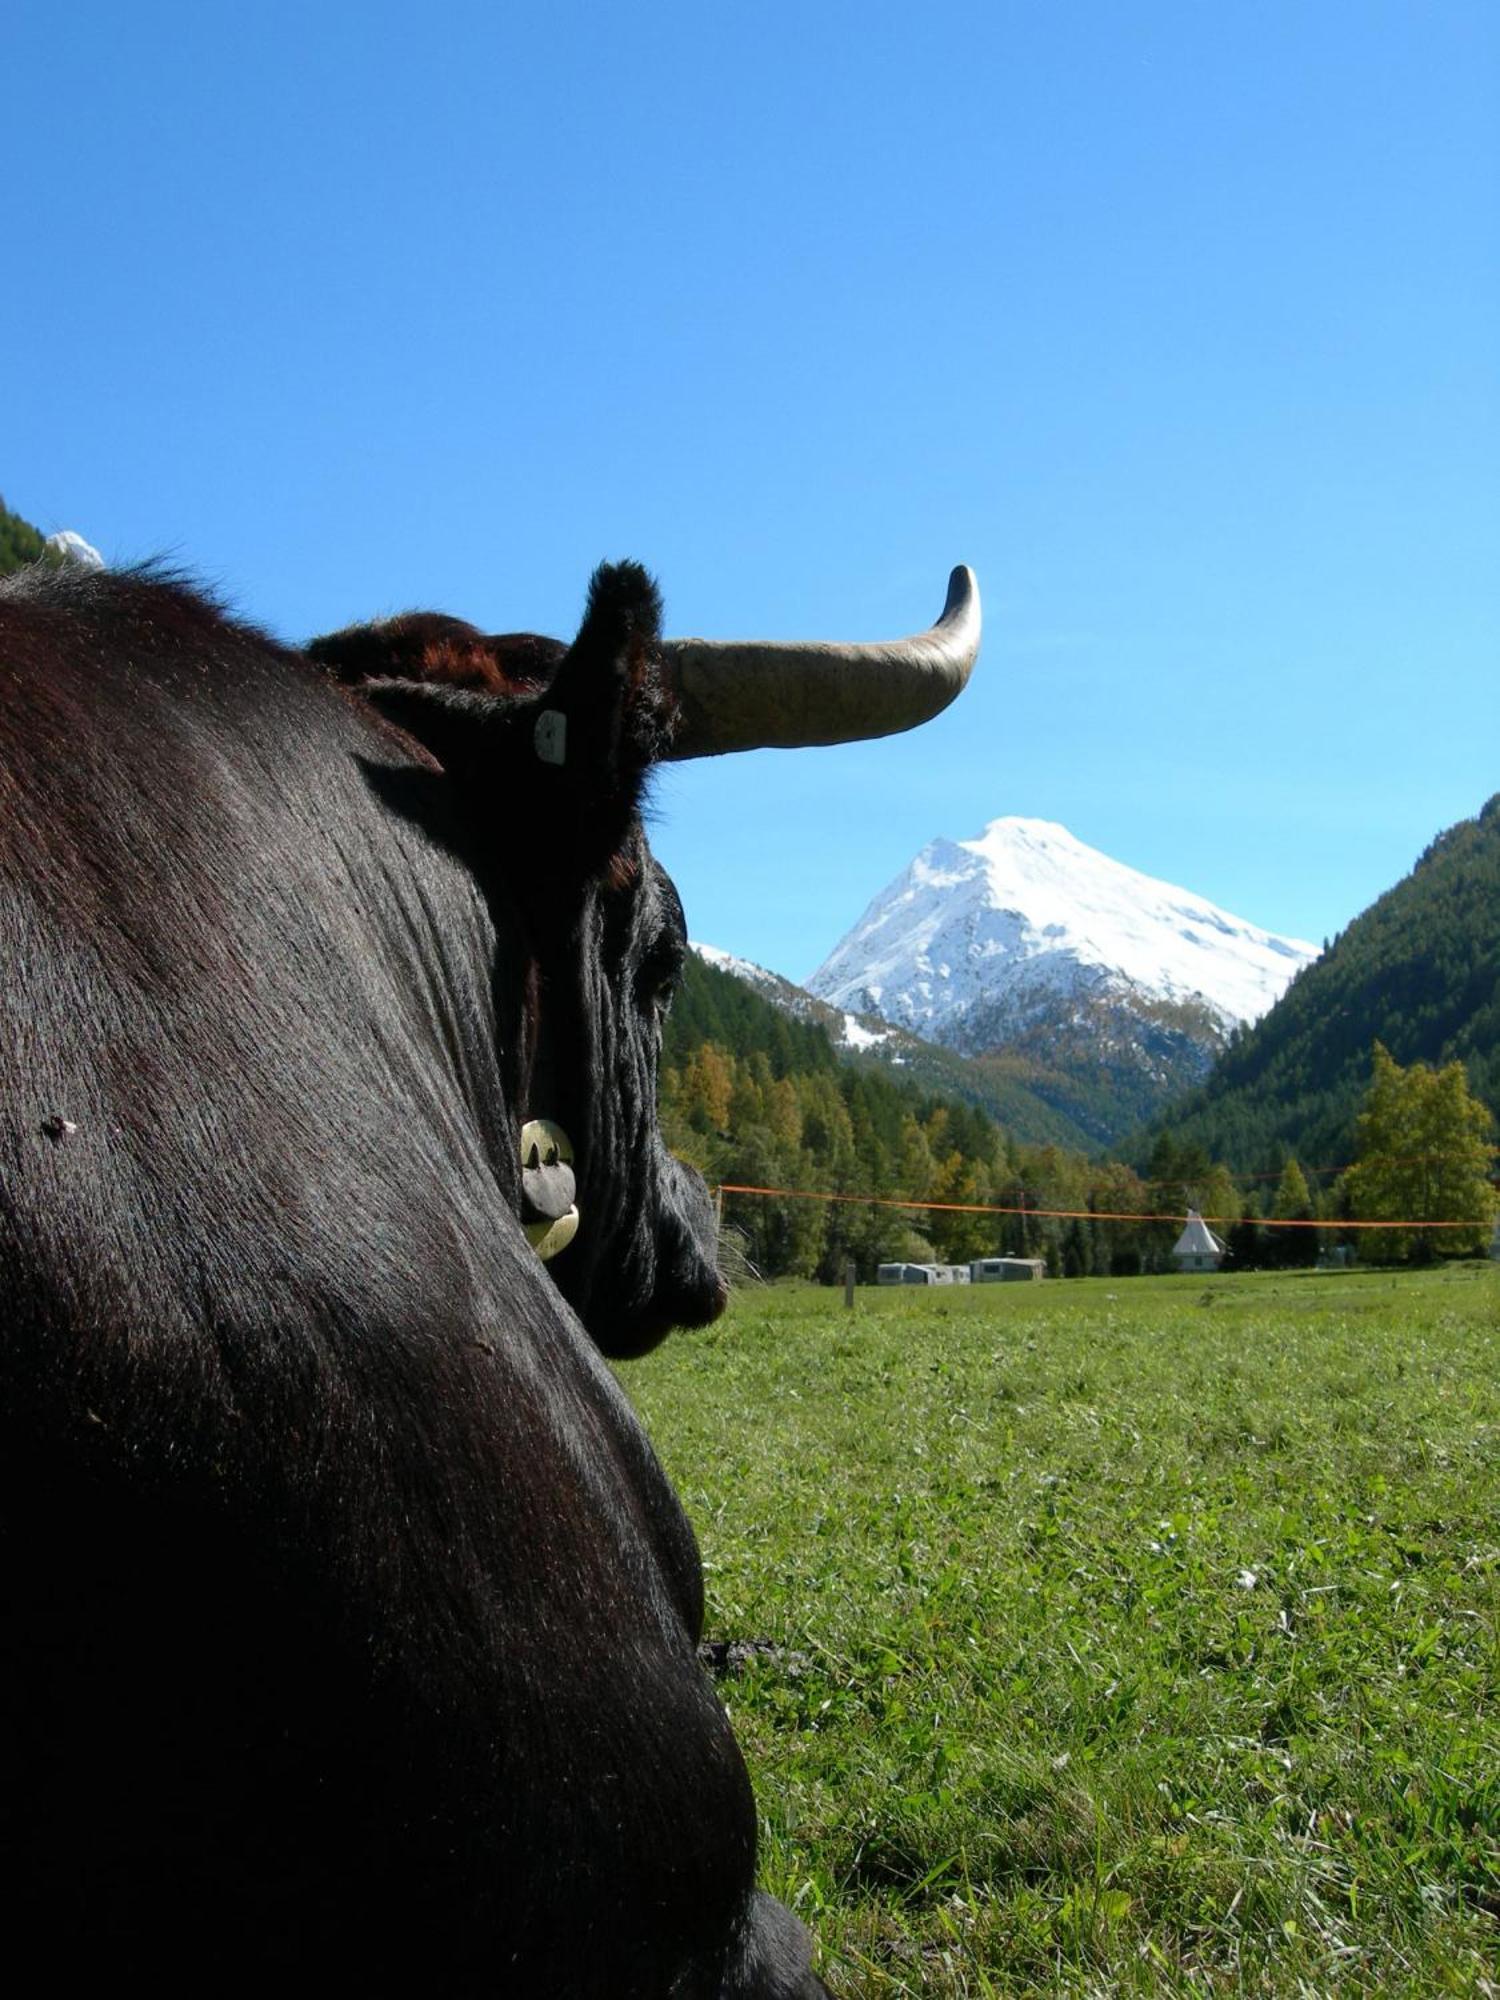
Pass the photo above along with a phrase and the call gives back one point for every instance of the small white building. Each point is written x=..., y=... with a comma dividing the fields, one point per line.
x=1197, y=1248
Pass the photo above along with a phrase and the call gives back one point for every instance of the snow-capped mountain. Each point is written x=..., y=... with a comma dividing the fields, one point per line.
x=982, y=943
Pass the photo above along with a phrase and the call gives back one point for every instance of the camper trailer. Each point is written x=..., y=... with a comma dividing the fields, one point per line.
x=922, y=1274
x=904, y=1274
x=1003, y=1270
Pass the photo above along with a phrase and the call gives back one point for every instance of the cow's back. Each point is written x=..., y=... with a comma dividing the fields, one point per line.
x=349, y=1623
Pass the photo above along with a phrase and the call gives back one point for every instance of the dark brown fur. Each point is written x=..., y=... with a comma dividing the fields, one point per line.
x=348, y=1619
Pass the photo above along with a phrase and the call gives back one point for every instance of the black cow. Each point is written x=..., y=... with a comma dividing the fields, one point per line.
x=349, y=1621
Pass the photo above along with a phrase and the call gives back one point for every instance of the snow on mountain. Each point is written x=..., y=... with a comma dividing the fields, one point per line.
x=742, y=968
x=977, y=935
x=844, y=1029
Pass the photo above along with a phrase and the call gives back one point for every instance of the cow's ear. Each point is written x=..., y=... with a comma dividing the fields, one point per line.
x=467, y=732
x=386, y=649
x=427, y=647
x=450, y=686
x=609, y=692
x=560, y=755
x=605, y=719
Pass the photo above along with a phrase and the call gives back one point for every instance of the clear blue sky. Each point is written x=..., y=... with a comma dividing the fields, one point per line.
x=1181, y=323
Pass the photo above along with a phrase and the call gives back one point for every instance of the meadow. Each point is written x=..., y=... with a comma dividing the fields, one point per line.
x=1112, y=1637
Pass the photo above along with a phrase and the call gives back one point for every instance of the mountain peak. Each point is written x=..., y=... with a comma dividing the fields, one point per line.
x=976, y=933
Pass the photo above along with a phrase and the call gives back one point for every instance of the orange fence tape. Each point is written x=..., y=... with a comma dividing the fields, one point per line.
x=1071, y=1214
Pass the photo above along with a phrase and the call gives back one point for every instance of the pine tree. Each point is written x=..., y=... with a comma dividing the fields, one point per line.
x=1246, y=1242
x=1423, y=1155
x=19, y=541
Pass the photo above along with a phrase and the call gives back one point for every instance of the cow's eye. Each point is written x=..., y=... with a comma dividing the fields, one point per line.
x=660, y=974
x=657, y=985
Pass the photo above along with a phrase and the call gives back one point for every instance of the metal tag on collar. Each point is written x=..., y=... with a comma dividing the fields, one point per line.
x=549, y=1214
x=547, y=1238
x=551, y=736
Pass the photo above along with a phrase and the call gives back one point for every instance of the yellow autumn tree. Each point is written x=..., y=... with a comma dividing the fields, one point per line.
x=1423, y=1156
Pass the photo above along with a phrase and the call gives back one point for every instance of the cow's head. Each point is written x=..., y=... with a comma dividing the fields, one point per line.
x=550, y=749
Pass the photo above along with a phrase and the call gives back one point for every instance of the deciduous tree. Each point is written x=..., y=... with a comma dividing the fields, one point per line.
x=1422, y=1156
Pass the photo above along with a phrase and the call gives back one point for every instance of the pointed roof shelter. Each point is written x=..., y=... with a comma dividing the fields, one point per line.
x=1197, y=1248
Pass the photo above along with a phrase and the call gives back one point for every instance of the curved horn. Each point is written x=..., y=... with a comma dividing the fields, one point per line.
x=759, y=694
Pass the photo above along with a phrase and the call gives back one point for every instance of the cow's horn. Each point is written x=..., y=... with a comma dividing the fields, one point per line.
x=761, y=694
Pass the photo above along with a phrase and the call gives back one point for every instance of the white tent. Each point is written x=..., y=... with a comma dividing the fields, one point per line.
x=1197, y=1248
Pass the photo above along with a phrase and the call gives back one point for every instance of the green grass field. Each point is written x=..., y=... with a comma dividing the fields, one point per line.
x=1128, y=1636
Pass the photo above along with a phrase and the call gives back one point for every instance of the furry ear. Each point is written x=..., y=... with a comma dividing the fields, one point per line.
x=437, y=651
x=388, y=649
x=550, y=747
x=605, y=718
x=611, y=693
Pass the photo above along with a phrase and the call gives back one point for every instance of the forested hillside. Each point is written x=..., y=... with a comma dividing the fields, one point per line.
x=1099, y=1069
x=1419, y=971
x=1020, y=1089
x=758, y=1100
x=1034, y=1104
x=19, y=541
